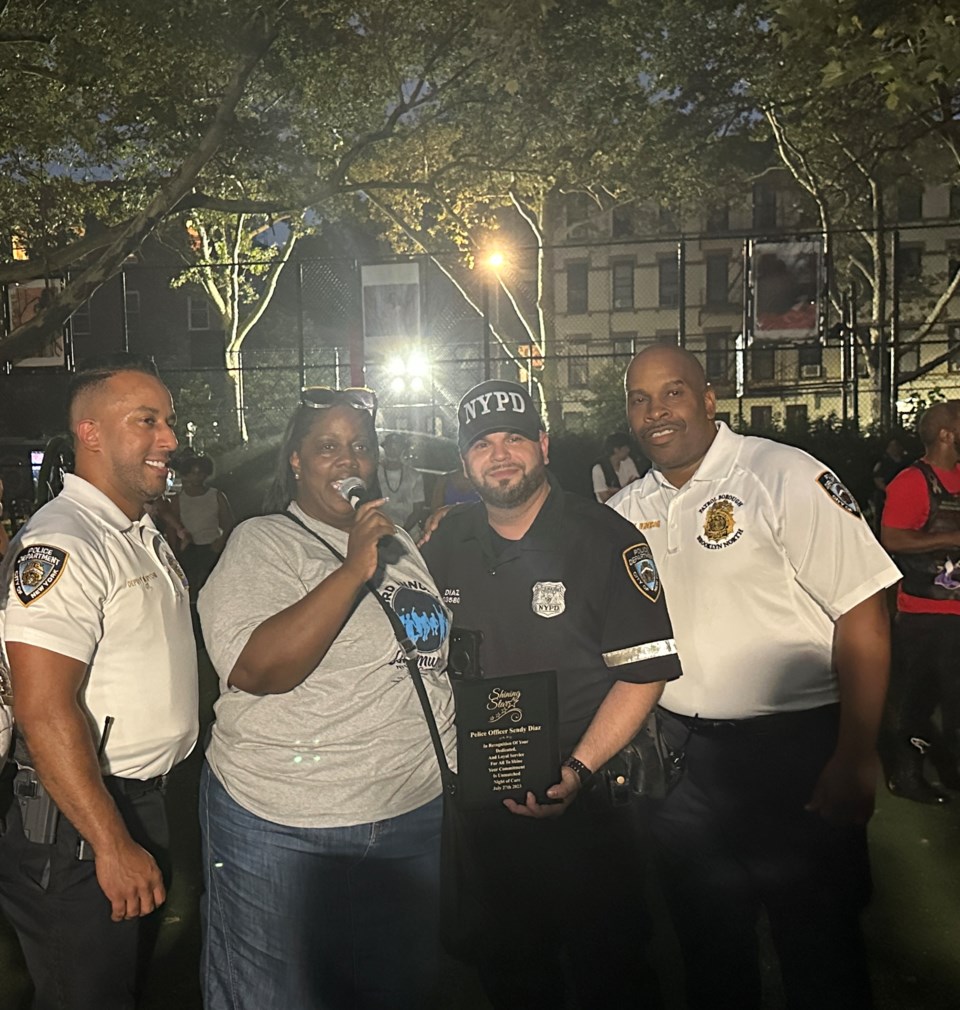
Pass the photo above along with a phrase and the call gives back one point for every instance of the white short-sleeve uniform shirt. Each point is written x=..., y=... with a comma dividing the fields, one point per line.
x=759, y=553
x=83, y=580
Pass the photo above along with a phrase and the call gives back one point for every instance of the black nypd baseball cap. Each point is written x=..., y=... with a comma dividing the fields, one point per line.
x=496, y=405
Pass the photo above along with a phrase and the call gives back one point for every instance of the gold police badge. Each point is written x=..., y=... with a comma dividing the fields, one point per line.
x=718, y=524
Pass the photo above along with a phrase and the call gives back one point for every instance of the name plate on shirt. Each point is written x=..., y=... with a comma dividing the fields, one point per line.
x=507, y=738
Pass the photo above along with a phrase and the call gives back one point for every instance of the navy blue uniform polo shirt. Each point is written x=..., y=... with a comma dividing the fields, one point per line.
x=579, y=593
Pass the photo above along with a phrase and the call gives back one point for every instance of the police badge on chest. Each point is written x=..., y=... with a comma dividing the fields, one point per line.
x=548, y=599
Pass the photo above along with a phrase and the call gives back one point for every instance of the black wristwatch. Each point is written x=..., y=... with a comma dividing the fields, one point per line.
x=579, y=768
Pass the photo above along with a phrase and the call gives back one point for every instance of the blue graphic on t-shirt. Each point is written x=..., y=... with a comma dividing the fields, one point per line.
x=422, y=616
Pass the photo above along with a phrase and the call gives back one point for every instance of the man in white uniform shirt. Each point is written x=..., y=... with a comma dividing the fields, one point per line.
x=97, y=645
x=774, y=584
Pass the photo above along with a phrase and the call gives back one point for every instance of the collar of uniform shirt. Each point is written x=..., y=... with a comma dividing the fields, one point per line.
x=717, y=463
x=542, y=533
x=89, y=497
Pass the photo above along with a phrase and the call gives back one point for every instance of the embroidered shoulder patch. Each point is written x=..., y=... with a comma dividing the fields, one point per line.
x=839, y=495
x=36, y=570
x=643, y=570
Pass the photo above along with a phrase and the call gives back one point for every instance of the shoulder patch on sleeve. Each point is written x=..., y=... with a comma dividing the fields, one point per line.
x=642, y=570
x=838, y=493
x=36, y=570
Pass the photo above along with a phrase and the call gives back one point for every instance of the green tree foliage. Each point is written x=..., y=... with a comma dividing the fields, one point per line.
x=146, y=111
x=854, y=99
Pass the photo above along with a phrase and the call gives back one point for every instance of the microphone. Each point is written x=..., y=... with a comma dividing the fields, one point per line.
x=354, y=490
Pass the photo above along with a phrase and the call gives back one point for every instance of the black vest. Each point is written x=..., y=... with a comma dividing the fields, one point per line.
x=932, y=575
x=609, y=474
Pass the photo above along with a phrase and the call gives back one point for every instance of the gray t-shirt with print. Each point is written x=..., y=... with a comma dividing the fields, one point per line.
x=350, y=743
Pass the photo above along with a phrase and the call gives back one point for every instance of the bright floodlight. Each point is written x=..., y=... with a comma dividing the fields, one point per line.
x=417, y=384
x=495, y=260
x=397, y=366
x=418, y=364
x=397, y=384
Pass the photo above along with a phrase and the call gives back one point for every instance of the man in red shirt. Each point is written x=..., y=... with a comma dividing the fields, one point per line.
x=921, y=528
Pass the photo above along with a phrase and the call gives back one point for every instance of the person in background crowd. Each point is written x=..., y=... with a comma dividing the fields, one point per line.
x=453, y=488
x=606, y=472
x=4, y=536
x=320, y=798
x=205, y=514
x=96, y=642
x=554, y=582
x=400, y=483
x=775, y=586
x=893, y=460
x=921, y=528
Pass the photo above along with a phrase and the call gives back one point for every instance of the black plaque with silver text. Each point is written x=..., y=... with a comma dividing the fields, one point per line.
x=507, y=738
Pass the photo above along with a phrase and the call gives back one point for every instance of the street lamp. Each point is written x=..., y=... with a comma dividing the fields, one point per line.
x=491, y=263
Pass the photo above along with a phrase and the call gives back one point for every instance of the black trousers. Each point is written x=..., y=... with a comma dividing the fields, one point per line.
x=571, y=925
x=78, y=958
x=733, y=837
x=926, y=673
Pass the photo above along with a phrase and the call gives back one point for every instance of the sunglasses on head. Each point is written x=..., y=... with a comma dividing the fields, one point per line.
x=354, y=396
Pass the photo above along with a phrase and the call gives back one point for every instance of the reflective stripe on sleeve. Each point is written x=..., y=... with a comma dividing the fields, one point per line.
x=634, y=653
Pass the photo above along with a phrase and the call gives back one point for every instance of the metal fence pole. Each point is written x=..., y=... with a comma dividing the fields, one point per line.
x=893, y=366
x=681, y=293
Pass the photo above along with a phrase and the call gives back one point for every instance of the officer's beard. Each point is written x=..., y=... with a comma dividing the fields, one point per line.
x=511, y=496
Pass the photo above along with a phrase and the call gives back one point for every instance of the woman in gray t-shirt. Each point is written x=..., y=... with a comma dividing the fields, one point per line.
x=320, y=801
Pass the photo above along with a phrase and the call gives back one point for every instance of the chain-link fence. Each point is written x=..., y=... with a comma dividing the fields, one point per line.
x=783, y=341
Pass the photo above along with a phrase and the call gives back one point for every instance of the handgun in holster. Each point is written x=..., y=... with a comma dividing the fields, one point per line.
x=38, y=812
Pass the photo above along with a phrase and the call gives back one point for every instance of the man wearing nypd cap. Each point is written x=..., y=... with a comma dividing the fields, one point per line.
x=555, y=582
x=97, y=643
x=776, y=589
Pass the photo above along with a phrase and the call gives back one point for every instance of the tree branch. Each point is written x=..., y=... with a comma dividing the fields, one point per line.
x=52, y=319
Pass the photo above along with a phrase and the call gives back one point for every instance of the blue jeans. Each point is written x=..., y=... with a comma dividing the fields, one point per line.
x=318, y=918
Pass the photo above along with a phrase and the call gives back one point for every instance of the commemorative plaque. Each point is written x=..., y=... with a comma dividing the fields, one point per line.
x=507, y=738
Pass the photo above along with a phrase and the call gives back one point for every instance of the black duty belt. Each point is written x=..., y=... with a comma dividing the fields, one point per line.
x=759, y=724
x=134, y=787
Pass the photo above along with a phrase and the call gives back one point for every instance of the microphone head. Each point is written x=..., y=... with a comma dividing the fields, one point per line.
x=354, y=490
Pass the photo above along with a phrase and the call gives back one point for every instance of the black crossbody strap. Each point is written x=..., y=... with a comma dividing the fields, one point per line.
x=410, y=655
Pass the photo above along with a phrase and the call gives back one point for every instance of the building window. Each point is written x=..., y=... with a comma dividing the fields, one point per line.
x=131, y=311
x=668, y=284
x=623, y=346
x=810, y=361
x=761, y=417
x=722, y=415
x=578, y=364
x=953, y=261
x=764, y=207
x=955, y=203
x=909, y=360
x=718, y=364
x=577, y=288
x=910, y=262
x=622, y=277
x=909, y=202
x=579, y=207
x=668, y=337
x=718, y=220
x=80, y=321
x=795, y=415
x=718, y=279
x=198, y=313
x=762, y=362
x=953, y=344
